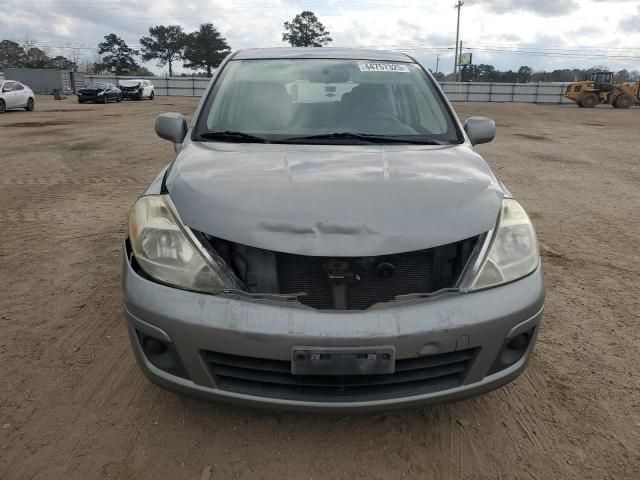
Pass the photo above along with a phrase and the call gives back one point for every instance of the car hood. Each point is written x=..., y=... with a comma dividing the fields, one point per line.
x=335, y=200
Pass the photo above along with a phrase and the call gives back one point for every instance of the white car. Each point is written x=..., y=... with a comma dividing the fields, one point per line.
x=137, y=89
x=14, y=94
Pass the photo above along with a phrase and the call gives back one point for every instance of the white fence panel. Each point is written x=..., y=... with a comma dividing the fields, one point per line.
x=164, y=86
x=542, y=92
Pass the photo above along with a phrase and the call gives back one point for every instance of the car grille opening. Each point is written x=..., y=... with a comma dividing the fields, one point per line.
x=344, y=283
x=412, y=273
x=273, y=378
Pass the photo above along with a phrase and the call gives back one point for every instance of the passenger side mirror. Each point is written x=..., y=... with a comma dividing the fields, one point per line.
x=172, y=127
x=480, y=130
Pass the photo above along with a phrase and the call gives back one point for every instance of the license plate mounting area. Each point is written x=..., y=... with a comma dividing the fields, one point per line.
x=343, y=361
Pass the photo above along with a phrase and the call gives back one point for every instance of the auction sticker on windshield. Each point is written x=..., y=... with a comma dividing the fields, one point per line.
x=383, y=67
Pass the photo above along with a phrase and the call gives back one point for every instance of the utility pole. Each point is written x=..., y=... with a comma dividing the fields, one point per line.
x=460, y=66
x=455, y=65
x=437, y=64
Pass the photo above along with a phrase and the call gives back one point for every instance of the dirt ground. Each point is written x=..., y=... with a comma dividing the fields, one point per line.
x=73, y=404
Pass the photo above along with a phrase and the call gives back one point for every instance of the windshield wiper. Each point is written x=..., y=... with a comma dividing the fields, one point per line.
x=366, y=137
x=230, y=136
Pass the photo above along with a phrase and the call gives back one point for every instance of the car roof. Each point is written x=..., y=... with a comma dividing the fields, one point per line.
x=324, y=52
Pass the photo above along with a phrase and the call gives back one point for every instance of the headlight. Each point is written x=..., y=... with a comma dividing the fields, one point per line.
x=164, y=250
x=514, y=252
x=100, y=93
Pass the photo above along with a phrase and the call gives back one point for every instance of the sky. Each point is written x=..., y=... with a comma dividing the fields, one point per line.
x=542, y=34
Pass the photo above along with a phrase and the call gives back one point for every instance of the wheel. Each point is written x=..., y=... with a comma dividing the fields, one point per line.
x=119, y=99
x=624, y=101
x=80, y=101
x=3, y=107
x=31, y=106
x=614, y=102
x=152, y=96
x=590, y=100
x=105, y=99
x=139, y=97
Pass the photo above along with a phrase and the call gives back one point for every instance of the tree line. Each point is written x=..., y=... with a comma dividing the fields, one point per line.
x=26, y=55
x=488, y=73
x=201, y=50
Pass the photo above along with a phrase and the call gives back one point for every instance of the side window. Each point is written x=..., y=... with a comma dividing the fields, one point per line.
x=8, y=87
x=17, y=86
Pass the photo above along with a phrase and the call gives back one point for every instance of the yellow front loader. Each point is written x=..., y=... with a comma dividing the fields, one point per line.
x=599, y=88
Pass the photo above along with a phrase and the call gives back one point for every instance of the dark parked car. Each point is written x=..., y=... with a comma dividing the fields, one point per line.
x=99, y=92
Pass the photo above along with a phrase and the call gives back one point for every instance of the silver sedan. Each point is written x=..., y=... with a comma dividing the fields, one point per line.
x=328, y=238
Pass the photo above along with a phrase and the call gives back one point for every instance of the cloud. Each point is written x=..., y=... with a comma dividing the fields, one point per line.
x=587, y=31
x=491, y=28
x=631, y=24
x=542, y=8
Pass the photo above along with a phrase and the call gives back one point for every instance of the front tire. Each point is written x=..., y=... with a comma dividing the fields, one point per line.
x=119, y=99
x=105, y=99
x=31, y=106
x=3, y=106
x=624, y=101
x=152, y=96
x=590, y=100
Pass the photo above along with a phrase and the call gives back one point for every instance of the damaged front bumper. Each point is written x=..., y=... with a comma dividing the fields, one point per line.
x=218, y=347
x=131, y=92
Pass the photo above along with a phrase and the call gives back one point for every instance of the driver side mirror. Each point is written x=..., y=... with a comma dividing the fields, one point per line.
x=172, y=127
x=480, y=130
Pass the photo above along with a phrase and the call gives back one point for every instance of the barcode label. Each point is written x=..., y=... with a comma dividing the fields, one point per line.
x=383, y=67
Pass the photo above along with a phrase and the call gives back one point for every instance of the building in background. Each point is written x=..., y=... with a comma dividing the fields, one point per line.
x=43, y=80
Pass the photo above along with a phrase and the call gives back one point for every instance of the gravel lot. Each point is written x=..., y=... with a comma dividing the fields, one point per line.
x=73, y=404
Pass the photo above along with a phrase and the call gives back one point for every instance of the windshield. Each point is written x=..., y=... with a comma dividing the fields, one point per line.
x=279, y=100
x=97, y=86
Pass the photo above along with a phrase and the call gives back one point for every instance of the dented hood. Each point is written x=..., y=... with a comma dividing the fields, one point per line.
x=335, y=200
